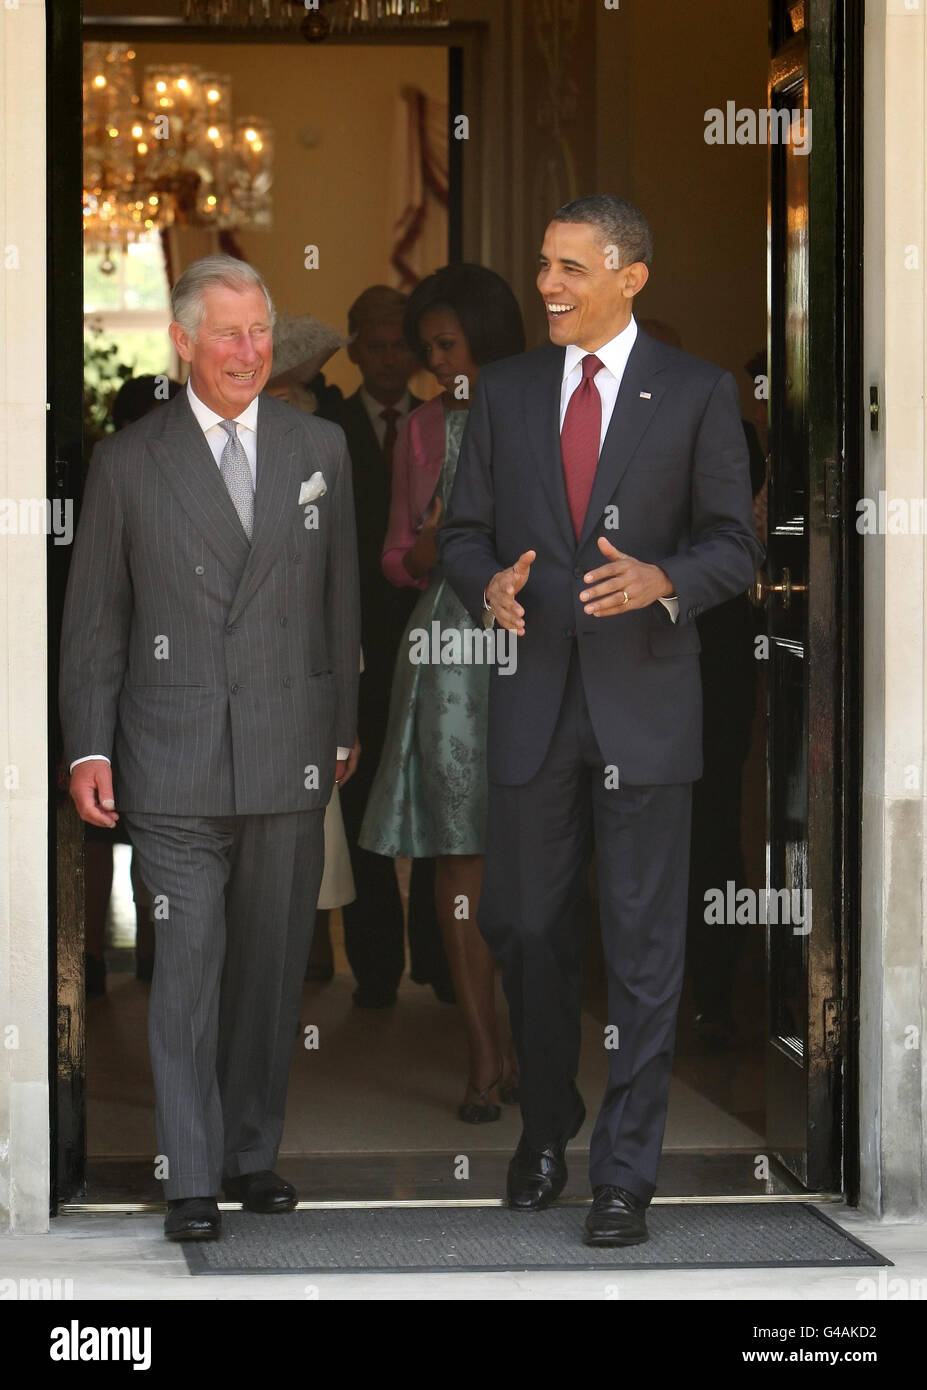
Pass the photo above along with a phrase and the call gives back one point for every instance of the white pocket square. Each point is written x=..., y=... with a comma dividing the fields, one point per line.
x=312, y=488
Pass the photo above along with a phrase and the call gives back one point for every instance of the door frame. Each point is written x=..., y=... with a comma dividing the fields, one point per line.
x=65, y=333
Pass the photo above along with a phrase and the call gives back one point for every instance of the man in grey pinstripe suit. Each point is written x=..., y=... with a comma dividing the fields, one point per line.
x=210, y=657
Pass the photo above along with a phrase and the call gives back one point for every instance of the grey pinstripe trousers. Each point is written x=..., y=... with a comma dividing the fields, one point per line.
x=234, y=902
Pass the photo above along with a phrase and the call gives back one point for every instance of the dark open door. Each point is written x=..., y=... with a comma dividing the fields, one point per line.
x=806, y=591
x=64, y=481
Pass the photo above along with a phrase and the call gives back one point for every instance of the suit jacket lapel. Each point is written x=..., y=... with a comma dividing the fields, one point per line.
x=275, y=498
x=191, y=472
x=630, y=420
x=542, y=409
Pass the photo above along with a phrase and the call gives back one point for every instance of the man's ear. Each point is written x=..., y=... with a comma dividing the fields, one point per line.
x=182, y=341
x=636, y=276
x=351, y=350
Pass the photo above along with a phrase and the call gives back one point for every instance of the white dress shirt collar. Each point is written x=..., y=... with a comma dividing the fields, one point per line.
x=613, y=355
x=206, y=417
x=375, y=408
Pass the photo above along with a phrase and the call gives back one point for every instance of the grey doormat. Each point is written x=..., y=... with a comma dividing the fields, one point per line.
x=396, y=1240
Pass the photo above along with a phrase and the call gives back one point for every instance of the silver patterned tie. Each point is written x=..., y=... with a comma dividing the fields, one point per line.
x=236, y=474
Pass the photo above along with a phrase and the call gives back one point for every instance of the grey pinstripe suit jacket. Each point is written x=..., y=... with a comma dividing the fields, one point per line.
x=219, y=677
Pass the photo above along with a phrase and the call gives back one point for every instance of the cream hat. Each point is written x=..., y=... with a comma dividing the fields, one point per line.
x=302, y=346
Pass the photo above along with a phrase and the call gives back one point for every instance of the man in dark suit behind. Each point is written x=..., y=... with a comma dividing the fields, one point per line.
x=602, y=438
x=370, y=418
x=209, y=663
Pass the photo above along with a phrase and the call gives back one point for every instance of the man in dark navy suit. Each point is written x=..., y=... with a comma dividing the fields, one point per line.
x=601, y=503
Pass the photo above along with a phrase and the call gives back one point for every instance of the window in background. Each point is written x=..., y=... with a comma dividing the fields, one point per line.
x=126, y=316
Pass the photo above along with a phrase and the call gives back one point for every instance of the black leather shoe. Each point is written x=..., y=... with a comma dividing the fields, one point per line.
x=262, y=1191
x=536, y=1177
x=617, y=1217
x=192, y=1218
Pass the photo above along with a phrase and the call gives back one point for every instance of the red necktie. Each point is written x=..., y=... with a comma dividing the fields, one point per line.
x=579, y=441
x=389, y=439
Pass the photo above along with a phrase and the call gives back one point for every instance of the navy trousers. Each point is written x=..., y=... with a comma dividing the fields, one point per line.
x=539, y=841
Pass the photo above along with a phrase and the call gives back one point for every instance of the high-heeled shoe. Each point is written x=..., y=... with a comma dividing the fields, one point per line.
x=508, y=1093
x=483, y=1113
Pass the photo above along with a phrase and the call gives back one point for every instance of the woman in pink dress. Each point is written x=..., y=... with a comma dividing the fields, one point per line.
x=429, y=795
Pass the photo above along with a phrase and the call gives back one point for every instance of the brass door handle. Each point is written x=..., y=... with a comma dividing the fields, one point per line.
x=763, y=587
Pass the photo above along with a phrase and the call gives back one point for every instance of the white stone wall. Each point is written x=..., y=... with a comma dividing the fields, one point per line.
x=24, y=1125
x=893, y=1091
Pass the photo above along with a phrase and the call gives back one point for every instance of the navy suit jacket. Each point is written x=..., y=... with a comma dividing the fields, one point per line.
x=672, y=488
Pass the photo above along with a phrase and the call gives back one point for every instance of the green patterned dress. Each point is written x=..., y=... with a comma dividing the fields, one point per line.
x=429, y=792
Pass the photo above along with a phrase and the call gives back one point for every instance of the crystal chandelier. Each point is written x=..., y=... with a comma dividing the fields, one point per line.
x=171, y=155
x=316, y=19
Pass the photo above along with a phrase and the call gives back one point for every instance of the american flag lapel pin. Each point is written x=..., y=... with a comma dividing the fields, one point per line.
x=645, y=395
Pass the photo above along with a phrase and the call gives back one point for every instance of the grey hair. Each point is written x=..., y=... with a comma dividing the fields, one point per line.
x=619, y=223
x=187, y=303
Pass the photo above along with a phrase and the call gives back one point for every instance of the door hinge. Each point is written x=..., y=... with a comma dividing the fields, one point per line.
x=835, y=1013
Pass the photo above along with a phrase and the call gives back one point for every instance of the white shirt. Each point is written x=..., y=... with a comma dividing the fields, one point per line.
x=217, y=438
x=375, y=408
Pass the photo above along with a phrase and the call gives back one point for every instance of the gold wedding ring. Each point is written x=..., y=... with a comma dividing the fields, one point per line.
x=626, y=599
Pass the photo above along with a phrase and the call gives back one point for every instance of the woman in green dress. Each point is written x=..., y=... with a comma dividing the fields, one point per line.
x=429, y=795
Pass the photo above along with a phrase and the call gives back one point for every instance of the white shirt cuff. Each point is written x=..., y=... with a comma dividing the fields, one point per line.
x=101, y=757
x=342, y=754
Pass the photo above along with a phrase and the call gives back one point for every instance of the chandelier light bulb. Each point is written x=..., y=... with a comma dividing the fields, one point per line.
x=207, y=171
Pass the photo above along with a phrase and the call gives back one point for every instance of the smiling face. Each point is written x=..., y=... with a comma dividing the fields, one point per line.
x=447, y=351
x=587, y=302
x=230, y=357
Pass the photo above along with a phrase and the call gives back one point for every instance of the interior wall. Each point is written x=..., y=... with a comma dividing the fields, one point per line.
x=333, y=111
x=659, y=68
